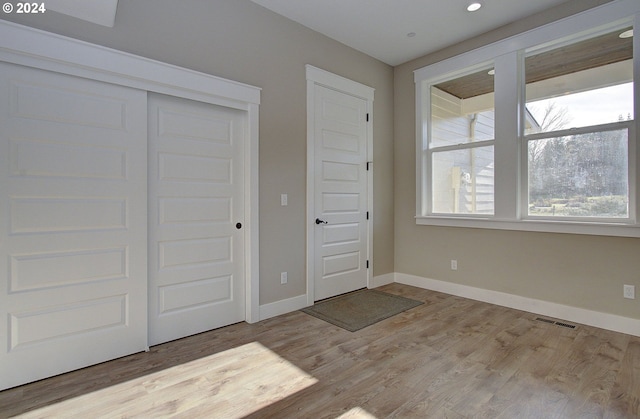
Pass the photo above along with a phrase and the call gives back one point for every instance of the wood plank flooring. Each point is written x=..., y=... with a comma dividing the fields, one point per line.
x=448, y=358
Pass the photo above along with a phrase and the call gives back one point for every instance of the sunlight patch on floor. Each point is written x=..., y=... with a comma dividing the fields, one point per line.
x=356, y=413
x=230, y=384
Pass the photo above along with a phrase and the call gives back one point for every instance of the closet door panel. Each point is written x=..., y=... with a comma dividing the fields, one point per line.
x=196, y=213
x=73, y=244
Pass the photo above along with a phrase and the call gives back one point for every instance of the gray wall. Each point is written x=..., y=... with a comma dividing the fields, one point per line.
x=575, y=270
x=242, y=41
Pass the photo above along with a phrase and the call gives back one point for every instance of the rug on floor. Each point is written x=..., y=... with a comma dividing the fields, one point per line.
x=359, y=309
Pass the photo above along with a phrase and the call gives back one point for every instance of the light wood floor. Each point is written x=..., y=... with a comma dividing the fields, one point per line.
x=448, y=358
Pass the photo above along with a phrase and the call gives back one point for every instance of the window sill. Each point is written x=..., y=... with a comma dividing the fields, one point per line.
x=542, y=226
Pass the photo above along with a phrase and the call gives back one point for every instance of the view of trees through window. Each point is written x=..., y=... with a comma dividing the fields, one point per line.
x=581, y=175
x=584, y=174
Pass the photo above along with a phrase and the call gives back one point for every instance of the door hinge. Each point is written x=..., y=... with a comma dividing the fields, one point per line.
x=367, y=215
x=367, y=264
x=368, y=165
x=367, y=117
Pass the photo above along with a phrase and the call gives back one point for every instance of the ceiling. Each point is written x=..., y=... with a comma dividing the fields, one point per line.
x=102, y=12
x=380, y=28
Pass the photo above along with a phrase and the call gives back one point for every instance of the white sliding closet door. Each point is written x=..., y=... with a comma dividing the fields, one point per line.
x=73, y=242
x=196, y=212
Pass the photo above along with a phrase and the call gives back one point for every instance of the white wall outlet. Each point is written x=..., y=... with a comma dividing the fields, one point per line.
x=454, y=265
x=283, y=278
x=629, y=291
x=284, y=199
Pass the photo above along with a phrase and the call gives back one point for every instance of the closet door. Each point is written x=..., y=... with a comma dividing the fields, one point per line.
x=73, y=262
x=196, y=212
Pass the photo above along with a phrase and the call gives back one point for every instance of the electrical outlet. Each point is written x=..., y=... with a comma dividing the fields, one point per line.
x=284, y=200
x=283, y=278
x=454, y=265
x=629, y=291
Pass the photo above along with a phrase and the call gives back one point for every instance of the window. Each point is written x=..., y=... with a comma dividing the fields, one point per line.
x=537, y=132
x=461, y=144
x=579, y=102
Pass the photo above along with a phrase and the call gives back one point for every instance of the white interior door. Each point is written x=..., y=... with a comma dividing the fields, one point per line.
x=340, y=153
x=196, y=212
x=73, y=197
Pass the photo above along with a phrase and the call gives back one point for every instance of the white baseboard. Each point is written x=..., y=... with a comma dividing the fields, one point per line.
x=283, y=307
x=380, y=280
x=573, y=314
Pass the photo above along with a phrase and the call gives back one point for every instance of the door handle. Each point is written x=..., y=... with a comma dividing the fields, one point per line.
x=319, y=221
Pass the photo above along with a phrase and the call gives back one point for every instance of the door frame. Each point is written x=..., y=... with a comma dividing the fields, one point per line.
x=47, y=51
x=318, y=77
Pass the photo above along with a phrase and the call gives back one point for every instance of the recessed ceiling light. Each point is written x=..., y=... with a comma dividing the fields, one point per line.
x=472, y=7
x=626, y=34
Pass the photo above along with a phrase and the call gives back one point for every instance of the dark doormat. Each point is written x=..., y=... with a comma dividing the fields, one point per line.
x=359, y=309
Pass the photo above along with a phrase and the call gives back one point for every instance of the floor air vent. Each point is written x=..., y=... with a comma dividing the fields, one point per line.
x=570, y=326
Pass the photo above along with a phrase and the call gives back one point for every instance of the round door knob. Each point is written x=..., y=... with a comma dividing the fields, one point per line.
x=239, y=226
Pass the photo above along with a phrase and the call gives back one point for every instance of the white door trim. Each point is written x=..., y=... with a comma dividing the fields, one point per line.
x=316, y=76
x=47, y=51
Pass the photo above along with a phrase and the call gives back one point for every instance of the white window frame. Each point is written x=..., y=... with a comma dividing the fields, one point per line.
x=510, y=211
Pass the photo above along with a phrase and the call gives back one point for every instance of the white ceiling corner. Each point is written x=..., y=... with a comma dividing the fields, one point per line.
x=102, y=12
x=379, y=28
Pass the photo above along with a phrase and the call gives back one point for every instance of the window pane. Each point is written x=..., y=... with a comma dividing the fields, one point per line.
x=462, y=181
x=582, y=84
x=462, y=110
x=579, y=175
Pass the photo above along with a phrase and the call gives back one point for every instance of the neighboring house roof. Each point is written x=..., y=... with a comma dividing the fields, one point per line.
x=531, y=123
